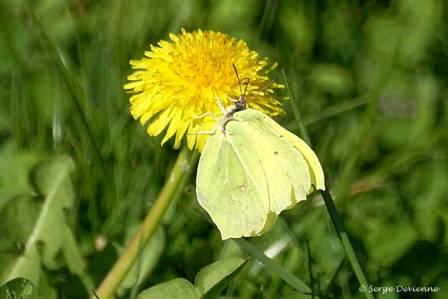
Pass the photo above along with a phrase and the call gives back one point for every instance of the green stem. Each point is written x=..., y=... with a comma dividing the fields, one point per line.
x=334, y=214
x=345, y=241
x=152, y=220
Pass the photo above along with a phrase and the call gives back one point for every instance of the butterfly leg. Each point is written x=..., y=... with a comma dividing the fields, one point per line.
x=232, y=100
x=211, y=114
x=212, y=132
x=220, y=104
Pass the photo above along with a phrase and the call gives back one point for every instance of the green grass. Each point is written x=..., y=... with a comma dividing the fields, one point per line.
x=366, y=80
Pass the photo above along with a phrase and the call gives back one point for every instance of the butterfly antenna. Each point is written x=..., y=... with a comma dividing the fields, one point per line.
x=238, y=77
x=241, y=103
x=245, y=89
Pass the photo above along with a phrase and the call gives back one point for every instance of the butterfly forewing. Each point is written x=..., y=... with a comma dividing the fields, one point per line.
x=230, y=187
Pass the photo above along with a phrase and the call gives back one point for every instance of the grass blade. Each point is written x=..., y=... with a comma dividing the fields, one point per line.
x=296, y=111
x=77, y=94
x=334, y=215
x=310, y=268
x=275, y=268
x=350, y=167
x=331, y=111
x=345, y=241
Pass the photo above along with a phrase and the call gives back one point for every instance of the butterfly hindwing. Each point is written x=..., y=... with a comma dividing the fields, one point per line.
x=316, y=171
x=286, y=171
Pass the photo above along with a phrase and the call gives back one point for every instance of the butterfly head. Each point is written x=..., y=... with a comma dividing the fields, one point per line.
x=240, y=104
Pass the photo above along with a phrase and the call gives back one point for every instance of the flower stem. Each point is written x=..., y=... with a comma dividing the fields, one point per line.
x=152, y=220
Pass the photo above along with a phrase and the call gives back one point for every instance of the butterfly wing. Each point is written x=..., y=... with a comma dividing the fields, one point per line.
x=269, y=125
x=250, y=174
x=286, y=171
x=231, y=187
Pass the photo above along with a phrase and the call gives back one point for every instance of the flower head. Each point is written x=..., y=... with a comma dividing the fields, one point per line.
x=178, y=80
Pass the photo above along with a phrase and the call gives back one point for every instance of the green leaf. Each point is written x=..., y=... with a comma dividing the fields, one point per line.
x=148, y=260
x=178, y=288
x=19, y=288
x=212, y=279
x=15, y=165
x=41, y=229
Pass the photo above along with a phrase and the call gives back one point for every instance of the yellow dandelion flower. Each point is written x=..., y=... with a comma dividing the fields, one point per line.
x=178, y=80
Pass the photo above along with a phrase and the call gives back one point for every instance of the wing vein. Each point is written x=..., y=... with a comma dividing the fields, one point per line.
x=246, y=170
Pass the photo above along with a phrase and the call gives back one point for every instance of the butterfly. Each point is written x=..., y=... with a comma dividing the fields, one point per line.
x=251, y=169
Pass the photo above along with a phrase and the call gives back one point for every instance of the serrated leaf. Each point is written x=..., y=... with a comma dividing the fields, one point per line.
x=214, y=277
x=15, y=166
x=178, y=288
x=41, y=228
x=19, y=288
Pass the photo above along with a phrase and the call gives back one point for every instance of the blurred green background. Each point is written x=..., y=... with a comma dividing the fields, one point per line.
x=368, y=77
